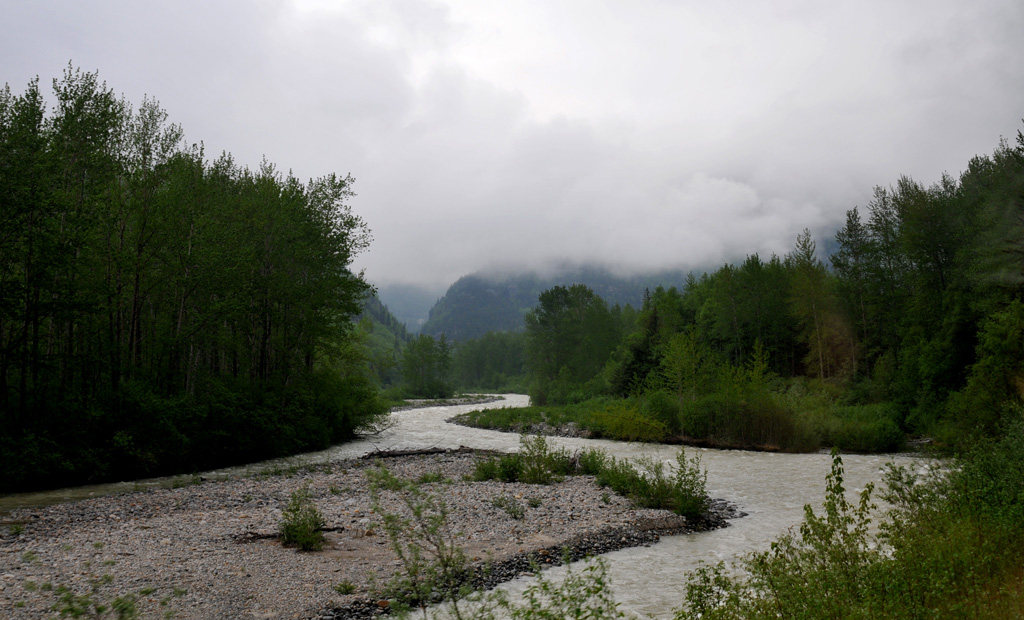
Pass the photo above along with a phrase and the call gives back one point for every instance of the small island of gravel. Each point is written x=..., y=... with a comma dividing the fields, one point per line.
x=211, y=550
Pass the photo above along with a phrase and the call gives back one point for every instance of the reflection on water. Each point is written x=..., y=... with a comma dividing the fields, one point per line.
x=650, y=581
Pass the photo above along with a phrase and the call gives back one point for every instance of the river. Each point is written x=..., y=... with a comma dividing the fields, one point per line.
x=771, y=488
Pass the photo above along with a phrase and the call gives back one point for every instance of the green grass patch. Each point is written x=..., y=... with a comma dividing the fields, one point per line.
x=646, y=482
x=609, y=418
x=798, y=416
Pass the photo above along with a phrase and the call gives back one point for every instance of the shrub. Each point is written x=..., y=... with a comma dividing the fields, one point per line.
x=584, y=594
x=486, y=470
x=649, y=486
x=814, y=575
x=434, y=566
x=689, y=487
x=663, y=408
x=535, y=463
x=302, y=522
x=510, y=505
x=946, y=549
x=684, y=492
x=510, y=467
x=542, y=464
x=624, y=420
x=592, y=461
x=755, y=418
x=864, y=428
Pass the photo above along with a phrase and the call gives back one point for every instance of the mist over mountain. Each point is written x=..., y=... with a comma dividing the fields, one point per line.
x=409, y=303
x=497, y=298
x=491, y=301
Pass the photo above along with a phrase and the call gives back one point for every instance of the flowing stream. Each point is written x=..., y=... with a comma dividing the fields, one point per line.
x=648, y=581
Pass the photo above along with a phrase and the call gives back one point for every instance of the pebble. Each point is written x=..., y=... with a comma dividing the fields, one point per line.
x=211, y=550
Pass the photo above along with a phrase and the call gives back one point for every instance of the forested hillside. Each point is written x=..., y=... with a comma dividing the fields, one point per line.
x=480, y=303
x=160, y=312
x=386, y=338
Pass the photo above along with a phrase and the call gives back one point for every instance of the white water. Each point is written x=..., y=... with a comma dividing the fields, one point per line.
x=648, y=581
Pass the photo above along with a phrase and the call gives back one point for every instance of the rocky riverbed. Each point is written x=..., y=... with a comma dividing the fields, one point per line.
x=210, y=550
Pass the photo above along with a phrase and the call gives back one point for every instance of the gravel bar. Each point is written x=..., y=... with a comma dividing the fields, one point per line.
x=210, y=550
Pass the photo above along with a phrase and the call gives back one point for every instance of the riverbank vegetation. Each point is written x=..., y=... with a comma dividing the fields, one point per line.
x=911, y=326
x=644, y=482
x=161, y=312
x=944, y=550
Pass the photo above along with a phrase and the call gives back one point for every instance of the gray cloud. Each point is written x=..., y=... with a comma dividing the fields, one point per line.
x=641, y=136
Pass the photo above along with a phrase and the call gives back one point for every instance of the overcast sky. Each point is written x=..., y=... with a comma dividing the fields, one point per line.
x=641, y=134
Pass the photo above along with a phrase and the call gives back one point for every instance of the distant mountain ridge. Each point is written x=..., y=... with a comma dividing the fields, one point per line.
x=479, y=303
x=409, y=303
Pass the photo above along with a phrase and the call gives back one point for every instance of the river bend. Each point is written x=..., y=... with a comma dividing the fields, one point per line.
x=648, y=581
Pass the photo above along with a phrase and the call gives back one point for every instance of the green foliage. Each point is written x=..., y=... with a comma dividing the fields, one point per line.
x=583, y=595
x=480, y=303
x=302, y=522
x=864, y=428
x=385, y=337
x=637, y=359
x=162, y=313
x=535, y=463
x=542, y=464
x=626, y=420
x=434, y=566
x=431, y=477
x=592, y=461
x=992, y=480
x=492, y=362
x=426, y=365
x=569, y=337
x=647, y=484
x=804, y=417
x=824, y=331
x=995, y=380
x=510, y=505
x=473, y=306
x=816, y=574
x=725, y=420
x=73, y=603
x=941, y=551
x=602, y=417
x=505, y=468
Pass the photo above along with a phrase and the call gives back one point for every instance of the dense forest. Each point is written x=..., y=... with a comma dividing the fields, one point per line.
x=160, y=312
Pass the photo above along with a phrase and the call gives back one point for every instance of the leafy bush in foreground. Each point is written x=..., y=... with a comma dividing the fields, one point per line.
x=945, y=550
x=434, y=568
x=302, y=522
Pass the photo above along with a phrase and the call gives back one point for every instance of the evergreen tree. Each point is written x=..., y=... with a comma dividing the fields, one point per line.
x=569, y=338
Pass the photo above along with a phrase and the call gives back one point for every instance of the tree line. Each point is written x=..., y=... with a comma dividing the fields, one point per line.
x=161, y=312
x=911, y=326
